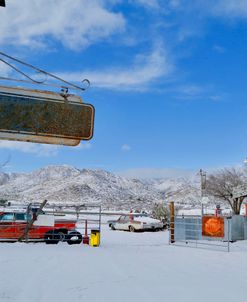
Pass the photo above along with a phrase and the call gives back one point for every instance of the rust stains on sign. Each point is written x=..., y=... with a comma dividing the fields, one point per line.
x=45, y=117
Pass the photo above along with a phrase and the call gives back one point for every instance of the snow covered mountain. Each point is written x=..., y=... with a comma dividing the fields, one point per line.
x=66, y=184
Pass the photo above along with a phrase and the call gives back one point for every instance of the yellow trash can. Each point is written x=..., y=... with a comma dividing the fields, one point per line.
x=95, y=238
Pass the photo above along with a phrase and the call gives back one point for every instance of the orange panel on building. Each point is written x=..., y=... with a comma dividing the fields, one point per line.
x=213, y=226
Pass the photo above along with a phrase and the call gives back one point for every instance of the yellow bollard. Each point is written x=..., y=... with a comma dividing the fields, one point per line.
x=95, y=238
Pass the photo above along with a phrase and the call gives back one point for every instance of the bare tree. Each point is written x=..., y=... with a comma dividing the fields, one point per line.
x=222, y=183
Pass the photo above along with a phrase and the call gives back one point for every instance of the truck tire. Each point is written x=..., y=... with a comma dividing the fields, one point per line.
x=62, y=234
x=74, y=237
x=52, y=237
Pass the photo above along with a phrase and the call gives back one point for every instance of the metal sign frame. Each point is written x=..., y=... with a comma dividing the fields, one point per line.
x=49, y=114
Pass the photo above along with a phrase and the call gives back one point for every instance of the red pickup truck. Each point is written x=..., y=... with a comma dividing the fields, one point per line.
x=46, y=228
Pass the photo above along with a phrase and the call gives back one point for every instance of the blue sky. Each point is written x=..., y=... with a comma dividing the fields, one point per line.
x=168, y=80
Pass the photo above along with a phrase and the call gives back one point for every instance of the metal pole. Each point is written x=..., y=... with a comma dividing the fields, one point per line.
x=99, y=224
x=172, y=222
x=202, y=210
x=196, y=230
x=203, y=187
x=86, y=228
x=228, y=234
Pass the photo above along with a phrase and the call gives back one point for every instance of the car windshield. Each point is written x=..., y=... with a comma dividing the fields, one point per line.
x=141, y=215
x=123, y=218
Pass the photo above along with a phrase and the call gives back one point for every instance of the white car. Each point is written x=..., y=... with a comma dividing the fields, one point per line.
x=134, y=223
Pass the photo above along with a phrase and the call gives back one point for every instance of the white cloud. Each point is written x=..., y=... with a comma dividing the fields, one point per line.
x=148, y=3
x=217, y=98
x=83, y=146
x=219, y=49
x=40, y=150
x=144, y=70
x=229, y=8
x=76, y=23
x=174, y=3
x=33, y=148
x=196, y=92
x=219, y=8
x=125, y=147
x=191, y=90
x=156, y=173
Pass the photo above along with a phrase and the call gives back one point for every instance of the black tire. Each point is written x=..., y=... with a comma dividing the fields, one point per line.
x=52, y=237
x=131, y=228
x=74, y=237
x=112, y=227
x=62, y=234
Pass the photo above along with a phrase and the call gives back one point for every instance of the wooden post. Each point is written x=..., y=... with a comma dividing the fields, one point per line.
x=85, y=238
x=31, y=222
x=172, y=224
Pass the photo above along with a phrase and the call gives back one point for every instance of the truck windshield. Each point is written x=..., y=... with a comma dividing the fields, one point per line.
x=7, y=217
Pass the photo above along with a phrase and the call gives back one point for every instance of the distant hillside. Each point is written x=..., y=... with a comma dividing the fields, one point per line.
x=69, y=184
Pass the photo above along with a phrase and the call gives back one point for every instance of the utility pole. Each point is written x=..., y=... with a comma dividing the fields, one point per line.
x=203, y=186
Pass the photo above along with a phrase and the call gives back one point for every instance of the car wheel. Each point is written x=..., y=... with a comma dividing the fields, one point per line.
x=74, y=237
x=52, y=237
x=131, y=228
x=112, y=227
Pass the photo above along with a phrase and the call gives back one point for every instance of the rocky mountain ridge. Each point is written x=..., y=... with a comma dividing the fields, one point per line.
x=66, y=184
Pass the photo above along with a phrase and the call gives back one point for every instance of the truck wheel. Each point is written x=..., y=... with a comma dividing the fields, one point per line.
x=51, y=237
x=74, y=237
x=131, y=228
x=62, y=234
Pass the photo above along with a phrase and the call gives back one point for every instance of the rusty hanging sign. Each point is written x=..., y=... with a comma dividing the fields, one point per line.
x=44, y=117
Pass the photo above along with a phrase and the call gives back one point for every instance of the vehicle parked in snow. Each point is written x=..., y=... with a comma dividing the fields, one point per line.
x=111, y=222
x=44, y=228
x=134, y=223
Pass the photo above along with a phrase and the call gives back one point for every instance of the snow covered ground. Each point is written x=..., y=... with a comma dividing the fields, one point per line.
x=127, y=267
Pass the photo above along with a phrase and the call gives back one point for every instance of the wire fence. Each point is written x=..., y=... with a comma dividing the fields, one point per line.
x=188, y=231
